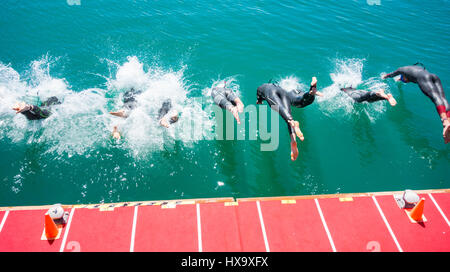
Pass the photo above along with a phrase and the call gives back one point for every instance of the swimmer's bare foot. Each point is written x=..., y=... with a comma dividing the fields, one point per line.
x=239, y=104
x=120, y=113
x=234, y=111
x=115, y=133
x=313, y=82
x=21, y=107
x=446, y=131
x=296, y=126
x=294, y=150
x=163, y=122
x=392, y=100
x=388, y=97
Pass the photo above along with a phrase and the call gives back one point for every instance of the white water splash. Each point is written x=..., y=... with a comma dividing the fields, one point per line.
x=82, y=124
x=348, y=73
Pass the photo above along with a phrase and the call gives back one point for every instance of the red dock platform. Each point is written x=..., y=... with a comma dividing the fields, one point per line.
x=329, y=223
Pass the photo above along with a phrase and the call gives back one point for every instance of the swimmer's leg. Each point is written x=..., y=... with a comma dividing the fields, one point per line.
x=294, y=126
x=445, y=123
x=294, y=149
x=386, y=96
x=116, y=133
x=220, y=98
x=50, y=102
x=431, y=89
x=121, y=113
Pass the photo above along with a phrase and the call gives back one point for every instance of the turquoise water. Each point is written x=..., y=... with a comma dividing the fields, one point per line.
x=89, y=54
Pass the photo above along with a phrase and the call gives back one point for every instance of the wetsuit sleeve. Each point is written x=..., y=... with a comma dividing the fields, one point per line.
x=395, y=73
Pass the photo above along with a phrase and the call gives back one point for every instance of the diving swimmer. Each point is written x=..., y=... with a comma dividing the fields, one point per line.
x=227, y=99
x=369, y=96
x=129, y=103
x=34, y=112
x=166, y=114
x=281, y=100
x=431, y=86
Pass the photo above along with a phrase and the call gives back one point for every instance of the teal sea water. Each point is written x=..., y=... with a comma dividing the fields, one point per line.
x=89, y=52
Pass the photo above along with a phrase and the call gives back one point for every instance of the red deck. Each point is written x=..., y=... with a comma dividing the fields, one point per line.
x=350, y=222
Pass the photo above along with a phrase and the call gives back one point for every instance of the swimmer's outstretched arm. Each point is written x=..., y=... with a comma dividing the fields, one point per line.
x=399, y=71
x=239, y=104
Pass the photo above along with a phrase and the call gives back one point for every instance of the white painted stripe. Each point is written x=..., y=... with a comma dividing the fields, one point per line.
x=199, y=229
x=387, y=224
x=325, y=225
x=437, y=206
x=263, y=228
x=66, y=233
x=4, y=220
x=133, y=230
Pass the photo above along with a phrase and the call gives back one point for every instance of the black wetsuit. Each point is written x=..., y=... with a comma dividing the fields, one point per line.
x=165, y=108
x=34, y=112
x=362, y=96
x=223, y=97
x=429, y=83
x=277, y=96
x=129, y=99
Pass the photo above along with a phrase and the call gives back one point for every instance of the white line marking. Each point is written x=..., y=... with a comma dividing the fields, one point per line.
x=325, y=225
x=66, y=233
x=199, y=229
x=387, y=224
x=133, y=230
x=437, y=206
x=3, y=220
x=263, y=228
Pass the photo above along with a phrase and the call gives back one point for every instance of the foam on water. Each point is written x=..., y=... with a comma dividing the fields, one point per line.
x=141, y=129
x=82, y=124
x=348, y=73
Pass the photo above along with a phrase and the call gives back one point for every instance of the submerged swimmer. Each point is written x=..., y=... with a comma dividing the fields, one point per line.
x=129, y=103
x=431, y=86
x=369, y=96
x=34, y=112
x=283, y=100
x=228, y=100
x=166, y=115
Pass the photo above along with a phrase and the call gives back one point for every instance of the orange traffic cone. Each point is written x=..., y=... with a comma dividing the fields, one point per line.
x=51, y=230
x=417, y=212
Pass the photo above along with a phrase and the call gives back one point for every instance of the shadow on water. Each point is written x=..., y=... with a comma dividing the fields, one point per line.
x=403, y=121
x=363, y=134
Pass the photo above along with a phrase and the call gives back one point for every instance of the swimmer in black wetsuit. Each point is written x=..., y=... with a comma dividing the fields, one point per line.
x=227, y=99
x=34, y=112
x=166, y=115
x=431, y=86
x=283, y=100
x=129, y=103
x=369, y=96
